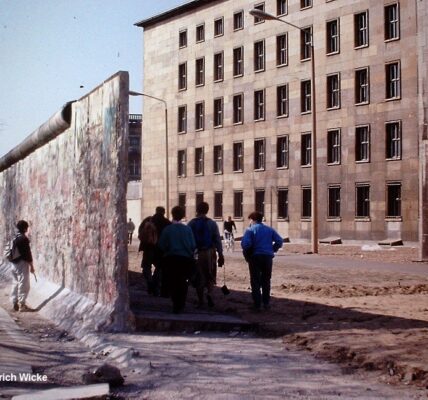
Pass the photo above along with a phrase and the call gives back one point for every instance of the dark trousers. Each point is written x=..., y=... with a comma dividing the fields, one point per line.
x=260, y=275
x=177, y=271
x=151, y=257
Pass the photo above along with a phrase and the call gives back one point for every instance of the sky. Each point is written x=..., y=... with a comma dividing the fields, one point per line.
x=50, y=48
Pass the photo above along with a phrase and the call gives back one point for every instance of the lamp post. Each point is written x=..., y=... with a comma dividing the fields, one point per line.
x=314, y=192
x=131, y=93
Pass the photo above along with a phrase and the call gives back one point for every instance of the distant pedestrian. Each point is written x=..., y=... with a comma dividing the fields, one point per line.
x=259, y=244
x=22, y=266
x=149, y=232
x=208, y=241
x=131, y=228
x=178, y=246
x=228, y=228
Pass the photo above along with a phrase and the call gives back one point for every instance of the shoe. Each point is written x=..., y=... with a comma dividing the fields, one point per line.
x=24, y=308
x=210, y=301
x=255, y=308
x=15, y=307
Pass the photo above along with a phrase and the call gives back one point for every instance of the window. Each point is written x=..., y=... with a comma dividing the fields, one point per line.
x=259, y=105
x=260, y=201
x=306, y=149
x=333, y=146
x=361, y=29
x=182, y=38
x=282, y=101
x=305, y=43
x=199, y=161
x=281, y=7
x=261, y=7
x=305, y=4
x=218, y=112
x=281, y=50
x=238, y=157
x=199, y=116
x=362, y=88
x=182, y=76
x=218, y=159
x=200, y=33
x=362, y=201
x=393, y=207
x=282, y=153
x=362, y=144
x=199, y=198
x=259, y=56
x=200, y=71
x=393, y=82
x=238, y=209
x=181, y=163
x=305, y=96
x=218, y=27
x=238, y=20
x=283, y=203
x=182, y=202
x=333, y=37
x=238, y=61
x=333, y=202
x=392, y=22
x=259, y=154
x=182, y=119
x=306, y=202
x=218, y=204
x=393, y=140
x=333, y=91
x=218, y=67
x=238, y=108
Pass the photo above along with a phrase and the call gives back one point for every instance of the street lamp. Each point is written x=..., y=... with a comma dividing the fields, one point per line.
x=314, y=193
x=131, y=93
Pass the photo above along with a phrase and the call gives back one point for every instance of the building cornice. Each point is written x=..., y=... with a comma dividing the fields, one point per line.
x=189, y=6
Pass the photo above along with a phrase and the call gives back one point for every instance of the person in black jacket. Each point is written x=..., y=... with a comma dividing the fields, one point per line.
x=21, y=268
x=151, y=253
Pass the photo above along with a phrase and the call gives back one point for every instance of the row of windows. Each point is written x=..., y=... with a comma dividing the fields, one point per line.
x=393, y=150
x=333, y=100
x=361, y=26
x=362, y=202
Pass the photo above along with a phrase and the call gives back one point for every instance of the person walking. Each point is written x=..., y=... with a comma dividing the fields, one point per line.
x=131, y=228
x=178, y=246
x=149, y=233
x=21, y=268
x=259, y=244
x=208, y=241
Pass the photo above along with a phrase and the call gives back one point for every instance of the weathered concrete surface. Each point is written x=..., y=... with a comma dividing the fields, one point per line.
x=73, y=193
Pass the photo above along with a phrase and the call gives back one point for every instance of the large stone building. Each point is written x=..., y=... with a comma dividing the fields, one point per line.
x=238, y=91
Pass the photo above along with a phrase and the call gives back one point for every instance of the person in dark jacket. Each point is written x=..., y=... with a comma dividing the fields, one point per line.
x=259, y=244
x=21, y=268
x=151, y=253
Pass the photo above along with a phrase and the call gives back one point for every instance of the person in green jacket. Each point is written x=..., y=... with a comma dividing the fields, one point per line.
x=178, y=246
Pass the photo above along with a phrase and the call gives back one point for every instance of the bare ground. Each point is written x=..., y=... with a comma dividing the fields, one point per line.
x=374, y=321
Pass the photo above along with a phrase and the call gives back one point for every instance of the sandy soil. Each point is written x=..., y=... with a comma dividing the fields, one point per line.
x=365, y=319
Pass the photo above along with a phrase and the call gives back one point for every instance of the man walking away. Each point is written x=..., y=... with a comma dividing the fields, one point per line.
x=259, y=244
x=131, y=228
x=149, y=232
x=178, y=246
x=207, y=237
x=21, y=268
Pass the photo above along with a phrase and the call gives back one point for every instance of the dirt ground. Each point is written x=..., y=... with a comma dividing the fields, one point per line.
x=367, y=320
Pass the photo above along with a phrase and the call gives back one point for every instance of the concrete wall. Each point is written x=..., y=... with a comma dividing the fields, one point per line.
x=72, y=191
x=133, y=204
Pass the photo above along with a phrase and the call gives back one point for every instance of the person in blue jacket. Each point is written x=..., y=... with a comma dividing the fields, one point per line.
x=259, y=244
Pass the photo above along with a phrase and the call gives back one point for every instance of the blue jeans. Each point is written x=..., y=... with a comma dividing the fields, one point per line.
x=260, y=275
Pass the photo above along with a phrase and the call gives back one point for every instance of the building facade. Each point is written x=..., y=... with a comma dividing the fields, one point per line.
x=134, y=152
x=238, y=91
